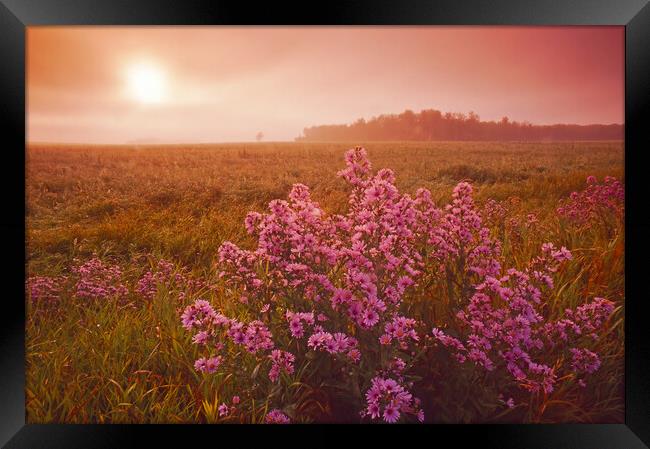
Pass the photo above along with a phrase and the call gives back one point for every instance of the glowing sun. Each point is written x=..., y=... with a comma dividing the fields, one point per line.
x=146, y=83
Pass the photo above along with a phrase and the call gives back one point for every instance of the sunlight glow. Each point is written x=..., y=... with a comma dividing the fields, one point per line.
x=146, y=83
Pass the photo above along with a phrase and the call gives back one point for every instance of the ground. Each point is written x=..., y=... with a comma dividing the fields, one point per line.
x=136, y=204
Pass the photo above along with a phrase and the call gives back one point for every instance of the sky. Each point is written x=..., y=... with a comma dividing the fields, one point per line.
x=225, y=84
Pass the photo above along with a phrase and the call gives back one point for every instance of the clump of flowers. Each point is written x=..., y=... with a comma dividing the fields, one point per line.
x=275, y=416
x=44, y=290
x=334, y=344
x=166, y=274
x=462, y=248
x=297, y=322
x=254, y=336
x=147, y=286
x=207, y=365
x=499, y=317
x=325, y=281
x=503, y=323
x=98, y=281
x=282, y=361
x=224, y=410
x=595, y=201
x=330, y=290
x=389, y=400
x=400, y=329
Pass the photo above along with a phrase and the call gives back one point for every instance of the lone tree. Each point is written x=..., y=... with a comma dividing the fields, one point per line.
x=259, y=136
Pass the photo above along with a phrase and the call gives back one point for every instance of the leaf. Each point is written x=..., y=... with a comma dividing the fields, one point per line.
x=256, y=371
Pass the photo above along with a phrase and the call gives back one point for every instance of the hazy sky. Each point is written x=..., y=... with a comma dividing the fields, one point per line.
x=210, y=84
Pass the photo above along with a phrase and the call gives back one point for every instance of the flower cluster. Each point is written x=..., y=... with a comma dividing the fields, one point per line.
x=275, y=416
x=499, y=315
x=97, y=280
x=464, y=250
x=201, y=314
x=584, y=320
x=596, y=200
x=348, y=272
x=296, y=322
x=334, y=344
x=254, y=336
x=225, y=410
x=208, y=365
x=503, y=324
x=584, y=361
x=387, y=399
x=401, y=329
x=282, y=361
x=165, y=274
x=147, y=286
x=44, y=290
x=349, y=275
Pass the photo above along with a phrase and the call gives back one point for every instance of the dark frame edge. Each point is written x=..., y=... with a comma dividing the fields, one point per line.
x=542, y=436
x=12, y=230
x=637, y=136
x=634, y=433
x=365, y=12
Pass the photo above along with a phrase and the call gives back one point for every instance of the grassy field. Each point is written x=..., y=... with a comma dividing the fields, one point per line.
x=132, y=362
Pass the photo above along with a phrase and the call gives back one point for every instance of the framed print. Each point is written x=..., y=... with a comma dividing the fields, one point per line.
x=422, y=220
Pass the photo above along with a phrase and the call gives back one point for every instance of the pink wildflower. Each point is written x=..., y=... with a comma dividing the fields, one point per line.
x=275, y=416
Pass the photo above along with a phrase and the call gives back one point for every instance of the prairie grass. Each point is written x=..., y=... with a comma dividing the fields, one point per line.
x=132, y=361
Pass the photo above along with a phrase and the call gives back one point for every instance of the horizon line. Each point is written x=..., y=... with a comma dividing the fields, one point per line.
x=159, y=144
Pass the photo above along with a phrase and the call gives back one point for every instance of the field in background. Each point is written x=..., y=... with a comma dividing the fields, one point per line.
x=183, y=201
x=136, y=204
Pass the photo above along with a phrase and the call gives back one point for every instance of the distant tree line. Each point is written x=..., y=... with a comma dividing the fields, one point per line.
x=431, y=124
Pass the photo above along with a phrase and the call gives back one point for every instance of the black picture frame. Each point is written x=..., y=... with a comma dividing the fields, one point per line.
x=16, y=15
